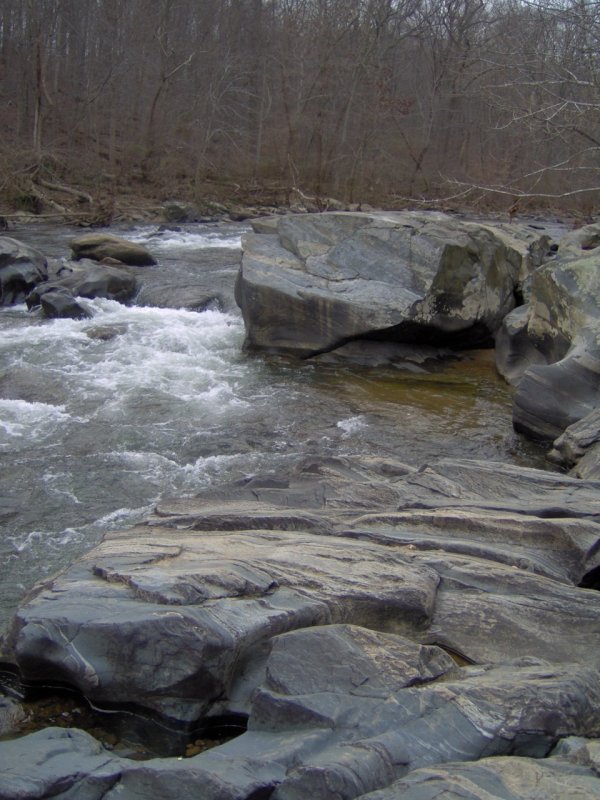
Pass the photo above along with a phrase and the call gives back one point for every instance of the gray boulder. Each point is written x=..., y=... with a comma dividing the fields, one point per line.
x=124, y=629
x=85, y=278
x=177, y=211
x=89, y=279
x=98, y=246
x=339, y=712
x=56, y=762
x=426, y=278
x=56, y=301
x=21, y=269
x=191, y=297
x=550, y=351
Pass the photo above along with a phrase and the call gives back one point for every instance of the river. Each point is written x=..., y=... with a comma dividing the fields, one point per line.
x=97, y=425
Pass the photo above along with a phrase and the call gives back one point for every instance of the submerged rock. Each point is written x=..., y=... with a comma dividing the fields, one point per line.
x=325, y=279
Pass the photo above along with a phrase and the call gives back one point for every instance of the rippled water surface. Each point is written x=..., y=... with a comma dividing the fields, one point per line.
x=101, y=417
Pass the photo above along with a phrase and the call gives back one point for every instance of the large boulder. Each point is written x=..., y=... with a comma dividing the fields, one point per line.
x=56, y=301
x=550, y=349
x=325, y=279
x=98, y=246
x=86, y=278
x=21, y=269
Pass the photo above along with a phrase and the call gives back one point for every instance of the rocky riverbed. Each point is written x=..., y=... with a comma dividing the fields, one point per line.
x=381, y=629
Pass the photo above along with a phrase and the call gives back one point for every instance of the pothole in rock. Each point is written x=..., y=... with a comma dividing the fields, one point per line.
x=127, y=733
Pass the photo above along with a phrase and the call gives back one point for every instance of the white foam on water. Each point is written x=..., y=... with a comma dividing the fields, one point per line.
x=352, y=425
x=20, y=418
x=156, y=357
x=185, y=239
x=39, y=539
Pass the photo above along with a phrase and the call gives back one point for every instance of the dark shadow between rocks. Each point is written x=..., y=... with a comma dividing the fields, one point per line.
x=126, y=729
x=591, y=580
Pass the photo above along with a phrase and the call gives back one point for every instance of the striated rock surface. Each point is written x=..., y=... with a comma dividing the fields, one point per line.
x=341, y=712
x=427, y=278
x=324, y=606
x=578, y=448
x=550, y=349
x=497, y=778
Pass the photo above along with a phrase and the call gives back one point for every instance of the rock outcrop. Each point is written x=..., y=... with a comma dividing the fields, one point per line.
x=326, y=279
x=550, y=348
x=324, y=607
x=578, y=449
x=21, y=269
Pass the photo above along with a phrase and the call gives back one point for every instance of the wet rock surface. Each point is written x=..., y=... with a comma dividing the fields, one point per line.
x=323, y=605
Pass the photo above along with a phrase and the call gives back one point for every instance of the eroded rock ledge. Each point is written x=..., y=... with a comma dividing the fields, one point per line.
x=326, y=606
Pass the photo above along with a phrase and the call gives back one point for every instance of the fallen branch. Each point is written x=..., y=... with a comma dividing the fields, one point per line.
x=59, y=187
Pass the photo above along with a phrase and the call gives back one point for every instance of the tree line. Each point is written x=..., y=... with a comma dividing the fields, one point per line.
x=370, y=101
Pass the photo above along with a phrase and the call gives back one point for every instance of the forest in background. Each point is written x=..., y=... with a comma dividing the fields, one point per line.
x=448, y=103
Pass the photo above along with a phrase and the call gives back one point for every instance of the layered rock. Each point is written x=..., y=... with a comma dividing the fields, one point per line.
x=550, y=349
x=325, y=279
x=324, y=607
x=343, y=712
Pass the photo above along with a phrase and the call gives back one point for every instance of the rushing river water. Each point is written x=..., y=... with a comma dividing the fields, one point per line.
x=101, y=417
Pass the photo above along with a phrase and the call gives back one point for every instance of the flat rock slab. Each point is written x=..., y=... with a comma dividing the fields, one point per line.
x=164, y=615
x=165, y=619
x=370, y=619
